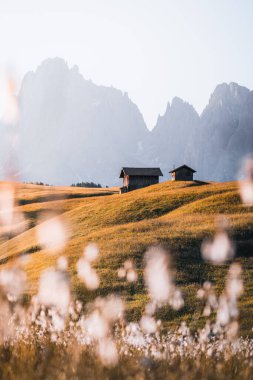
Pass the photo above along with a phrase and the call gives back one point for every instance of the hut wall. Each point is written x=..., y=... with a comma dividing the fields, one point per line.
x=137, y=182
x=126, y=180
x=184, y=175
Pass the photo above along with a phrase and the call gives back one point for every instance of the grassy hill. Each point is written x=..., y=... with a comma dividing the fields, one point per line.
x=178, y=215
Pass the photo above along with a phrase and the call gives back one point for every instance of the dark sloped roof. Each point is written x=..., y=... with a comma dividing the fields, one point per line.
x=153, y=172
x=183, y=167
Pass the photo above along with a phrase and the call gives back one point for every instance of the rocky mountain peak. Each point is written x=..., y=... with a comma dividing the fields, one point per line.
x=72, y=129
x=231, y=93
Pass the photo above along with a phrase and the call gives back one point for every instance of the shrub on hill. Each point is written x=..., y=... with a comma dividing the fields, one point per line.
x=87, y=184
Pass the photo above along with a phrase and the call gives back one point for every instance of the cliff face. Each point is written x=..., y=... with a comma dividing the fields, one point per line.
x=73, y=130
x=225, y=134
x=171, y=134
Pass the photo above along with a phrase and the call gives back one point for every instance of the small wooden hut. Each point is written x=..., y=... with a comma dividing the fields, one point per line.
x=182, y=173
x=137, y=178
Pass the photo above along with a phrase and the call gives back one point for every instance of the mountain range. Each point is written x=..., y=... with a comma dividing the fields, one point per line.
x=72, y=130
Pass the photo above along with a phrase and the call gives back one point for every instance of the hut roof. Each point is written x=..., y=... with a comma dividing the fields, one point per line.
x=149, y=172
x=183, y=167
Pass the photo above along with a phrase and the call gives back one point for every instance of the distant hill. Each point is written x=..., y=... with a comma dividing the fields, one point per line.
x=72, y=130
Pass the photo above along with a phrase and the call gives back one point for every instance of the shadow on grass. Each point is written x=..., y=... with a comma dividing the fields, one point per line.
x=59, y=197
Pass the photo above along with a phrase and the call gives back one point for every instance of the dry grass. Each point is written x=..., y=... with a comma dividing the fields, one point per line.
x=178, y=215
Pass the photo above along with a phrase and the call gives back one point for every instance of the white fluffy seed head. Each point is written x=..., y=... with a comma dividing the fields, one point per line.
x=87, y=274
x=156, y=274
x=219, y=250
x=52, y=234
x=62, y=263
x=200, y=293
x=132, y=275
x=234, y=284
x=177, y=301
x=246, y=192
x=9, y=109
x=12, y=221
x=58, y=322
x=54, y=290
x=207, y=286
x=112, y=308
x=107, y=352
x=223, y=315
x=232, y=330
x=12, y=281
x=121, y=272
x=7, y=203
x=246, y=183
x=96, y=325
x=207, y=311
x=128, y=264
x=91, y=252
x=148, y=324
x=150, y=308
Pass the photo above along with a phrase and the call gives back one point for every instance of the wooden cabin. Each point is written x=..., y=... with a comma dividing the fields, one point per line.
x=182, y=173
x=137, y=178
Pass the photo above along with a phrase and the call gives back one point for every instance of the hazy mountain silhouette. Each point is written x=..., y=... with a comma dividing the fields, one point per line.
x=169, y=138
x=225, y=134
x=72, y=130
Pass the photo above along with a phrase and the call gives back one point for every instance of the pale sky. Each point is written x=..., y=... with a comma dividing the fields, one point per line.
x=152, y=49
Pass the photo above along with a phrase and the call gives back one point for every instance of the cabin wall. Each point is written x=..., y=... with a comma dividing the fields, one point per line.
x=183, y=175
x=137, y=182
x=126, y=180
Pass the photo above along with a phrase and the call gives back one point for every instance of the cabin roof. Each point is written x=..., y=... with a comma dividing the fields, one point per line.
x=149, y=172
x=182, y=167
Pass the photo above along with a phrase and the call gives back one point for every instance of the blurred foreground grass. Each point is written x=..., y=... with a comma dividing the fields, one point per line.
x=51, y=361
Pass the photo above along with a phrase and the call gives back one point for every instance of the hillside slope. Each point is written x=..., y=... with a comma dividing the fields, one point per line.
x=178, y=215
